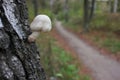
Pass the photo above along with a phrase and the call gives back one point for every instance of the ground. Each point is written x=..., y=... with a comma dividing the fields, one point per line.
x=101, y=66
x=61, y=42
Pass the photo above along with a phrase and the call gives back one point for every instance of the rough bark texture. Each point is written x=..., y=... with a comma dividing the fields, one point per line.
x=19, y=59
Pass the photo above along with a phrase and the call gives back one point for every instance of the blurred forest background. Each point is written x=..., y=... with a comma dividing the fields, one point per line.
x=97, y=21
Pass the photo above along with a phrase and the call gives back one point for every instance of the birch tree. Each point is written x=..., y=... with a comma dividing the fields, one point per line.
x=115, y=6
x=19, y=59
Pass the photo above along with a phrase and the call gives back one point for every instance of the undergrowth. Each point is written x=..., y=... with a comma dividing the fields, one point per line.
x=104, y=31
x=57, y=62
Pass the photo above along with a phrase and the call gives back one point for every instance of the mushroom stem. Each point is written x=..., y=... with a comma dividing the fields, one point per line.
x=33, y=36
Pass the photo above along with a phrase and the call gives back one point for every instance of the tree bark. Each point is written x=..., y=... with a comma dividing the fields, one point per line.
x=86, y=15
x=92, y=9
x=19, y=59
x=115, y=6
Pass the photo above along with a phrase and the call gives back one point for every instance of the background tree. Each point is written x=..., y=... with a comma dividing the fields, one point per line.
x=92, y=9
x=19, y=59
x=51, y=3
x=119, y=5
x=35, y=5
x=86, y=9
x=88, y=13
x=66, y=10
x=43, y=4
x=115, y=8
x=110, y=5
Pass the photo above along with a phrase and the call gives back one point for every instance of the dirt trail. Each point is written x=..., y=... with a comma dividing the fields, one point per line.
x=102, y=67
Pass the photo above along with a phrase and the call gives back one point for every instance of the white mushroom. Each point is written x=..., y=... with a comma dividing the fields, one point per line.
x=41, y=23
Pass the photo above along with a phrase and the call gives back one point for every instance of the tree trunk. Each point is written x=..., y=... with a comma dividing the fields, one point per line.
x=110, y=6
x=51, y=3
x=35, y=5
x=118, y=5
x=86, y=15
x=92, y=9
x=115, y=6
x=19, y=59
x=66, y=10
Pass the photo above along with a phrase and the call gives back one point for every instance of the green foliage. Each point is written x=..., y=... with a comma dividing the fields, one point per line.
x=106, y=40
x=57, y=62
x=47, y=12
x=112, y=44
x=67, y=68
x=76, y=17
x=60, y=16
x=98, y=22
x=106, y=22
x=30, y=10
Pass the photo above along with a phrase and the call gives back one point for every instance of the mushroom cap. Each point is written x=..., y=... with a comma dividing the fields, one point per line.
x=41, y=23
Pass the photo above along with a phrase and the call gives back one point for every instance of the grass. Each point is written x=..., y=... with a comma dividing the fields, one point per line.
x=57, y=62
x=107, y=25
x=112, y=44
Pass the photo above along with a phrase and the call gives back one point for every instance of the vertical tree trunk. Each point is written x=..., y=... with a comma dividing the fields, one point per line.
x=86, y=15
x=51, y=3
x=110, y=6
x=92, y=9
x=118, y=5
x=115, y=6
x=66, y=10
x=35, y=5
x=19, y=59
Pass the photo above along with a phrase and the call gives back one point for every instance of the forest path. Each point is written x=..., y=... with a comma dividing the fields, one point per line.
x=102, y=67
